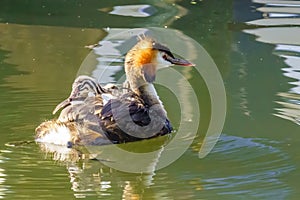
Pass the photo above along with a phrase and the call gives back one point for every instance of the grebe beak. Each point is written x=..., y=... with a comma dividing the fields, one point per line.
x=181, y=62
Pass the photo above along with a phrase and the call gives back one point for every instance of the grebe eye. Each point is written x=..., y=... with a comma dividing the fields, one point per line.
x=165, y=57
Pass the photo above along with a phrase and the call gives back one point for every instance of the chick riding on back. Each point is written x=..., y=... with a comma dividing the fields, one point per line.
x=88, y=117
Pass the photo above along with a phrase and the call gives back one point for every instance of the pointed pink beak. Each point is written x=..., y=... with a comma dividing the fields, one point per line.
x=181, y=62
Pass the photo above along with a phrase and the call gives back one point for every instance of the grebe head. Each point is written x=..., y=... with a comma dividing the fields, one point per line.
x=83, y=87
x=142, y=61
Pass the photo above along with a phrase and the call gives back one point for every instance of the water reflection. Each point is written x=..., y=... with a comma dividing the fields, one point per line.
x=158, y=13
x=252, y=176
x=90, y=176
x=30, y=47
x=279, y=27
x=3, y=186
x=133, y=10
x=92, y=179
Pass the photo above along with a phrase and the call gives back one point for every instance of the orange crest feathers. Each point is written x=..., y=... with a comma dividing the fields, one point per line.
x=142, y=57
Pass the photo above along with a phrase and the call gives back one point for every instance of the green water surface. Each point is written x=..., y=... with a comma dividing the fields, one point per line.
x=257, y=52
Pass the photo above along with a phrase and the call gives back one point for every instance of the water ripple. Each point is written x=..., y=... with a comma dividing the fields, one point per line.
x=251, y=167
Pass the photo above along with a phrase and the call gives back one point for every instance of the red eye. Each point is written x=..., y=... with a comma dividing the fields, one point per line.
x=164, y=56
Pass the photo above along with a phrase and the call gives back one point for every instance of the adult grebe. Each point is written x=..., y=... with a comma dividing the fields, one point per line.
x=96, y=115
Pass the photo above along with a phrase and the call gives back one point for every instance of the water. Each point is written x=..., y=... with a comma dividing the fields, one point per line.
x=256, y=48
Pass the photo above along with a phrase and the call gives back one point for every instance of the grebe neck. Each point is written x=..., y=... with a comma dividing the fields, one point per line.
x=148, y=93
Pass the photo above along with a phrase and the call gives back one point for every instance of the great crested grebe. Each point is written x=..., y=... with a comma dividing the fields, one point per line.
x=96, y=115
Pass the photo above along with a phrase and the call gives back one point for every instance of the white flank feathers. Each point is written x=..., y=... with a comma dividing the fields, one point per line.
x=60, y=135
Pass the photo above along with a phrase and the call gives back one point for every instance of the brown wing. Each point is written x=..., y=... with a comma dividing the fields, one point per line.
x=81, y=111
x=129, y=119
x=124, y=119
x=85, y=119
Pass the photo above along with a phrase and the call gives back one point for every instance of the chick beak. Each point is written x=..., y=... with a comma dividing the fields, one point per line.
x=181, y=62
